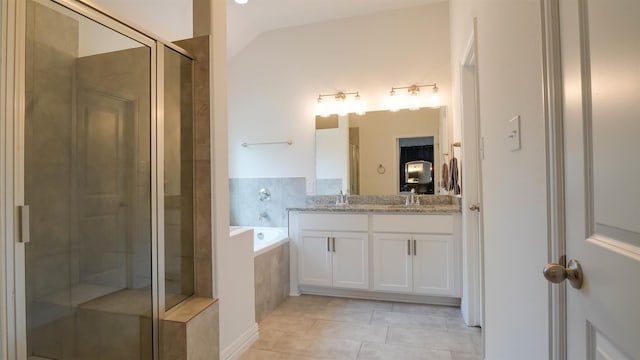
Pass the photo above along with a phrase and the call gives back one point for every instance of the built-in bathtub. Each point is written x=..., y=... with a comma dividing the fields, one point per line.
x=271, y=267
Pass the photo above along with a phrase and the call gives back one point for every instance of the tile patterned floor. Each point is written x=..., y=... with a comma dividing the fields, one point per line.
x=326, y=328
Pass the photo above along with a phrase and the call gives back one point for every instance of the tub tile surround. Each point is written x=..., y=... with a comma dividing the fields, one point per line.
x=246, y=207
x=271, y=273
x=317, y=327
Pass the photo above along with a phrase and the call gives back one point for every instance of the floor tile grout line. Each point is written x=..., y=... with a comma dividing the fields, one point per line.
x=386, y=335
x=359, y=349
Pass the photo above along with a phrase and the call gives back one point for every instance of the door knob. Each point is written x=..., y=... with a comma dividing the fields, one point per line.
x=474, y=207
x=557, y=273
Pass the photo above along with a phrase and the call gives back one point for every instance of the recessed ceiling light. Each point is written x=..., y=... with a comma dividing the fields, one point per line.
x=241, y=1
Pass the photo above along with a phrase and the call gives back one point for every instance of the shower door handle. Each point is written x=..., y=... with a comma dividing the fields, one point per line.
x=23, y=220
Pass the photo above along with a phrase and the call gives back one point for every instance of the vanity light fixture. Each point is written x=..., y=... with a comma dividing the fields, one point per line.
x=414, y=99
x=340, y=105
x=241, y=2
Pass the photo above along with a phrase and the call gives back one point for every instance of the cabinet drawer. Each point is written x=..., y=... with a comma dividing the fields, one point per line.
x=333, y=222
x=432, y=224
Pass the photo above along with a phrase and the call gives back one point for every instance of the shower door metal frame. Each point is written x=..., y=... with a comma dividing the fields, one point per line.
x=12, y=85
x=12, y=123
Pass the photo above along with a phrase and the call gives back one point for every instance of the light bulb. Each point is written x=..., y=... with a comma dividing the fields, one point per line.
x=393, y=101
x=322, y=108
x=435, y=98
x=414, y=101
x=359, y=105
x=341, y=107
x=340, y=104
x=241, y=2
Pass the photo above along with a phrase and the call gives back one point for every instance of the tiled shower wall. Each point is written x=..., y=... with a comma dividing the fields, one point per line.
x=246, y=207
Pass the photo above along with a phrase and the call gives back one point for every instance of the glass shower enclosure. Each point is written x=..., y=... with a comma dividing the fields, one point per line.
x=91, y=169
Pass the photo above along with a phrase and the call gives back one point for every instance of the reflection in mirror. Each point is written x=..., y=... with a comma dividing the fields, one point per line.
x=368, y=154
x=416, y=165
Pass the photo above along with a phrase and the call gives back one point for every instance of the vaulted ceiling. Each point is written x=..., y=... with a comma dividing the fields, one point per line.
x=172, y=19
x=246, y=22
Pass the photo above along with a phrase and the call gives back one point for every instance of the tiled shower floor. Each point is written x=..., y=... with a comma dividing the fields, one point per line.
x=316, y=327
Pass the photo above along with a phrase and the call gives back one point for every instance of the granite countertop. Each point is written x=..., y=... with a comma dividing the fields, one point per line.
x=382, y=204
x=365, y=208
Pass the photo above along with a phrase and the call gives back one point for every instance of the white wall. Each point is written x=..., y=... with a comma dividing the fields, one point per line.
x=275, y=80
x=236, y=288
x=509, y=67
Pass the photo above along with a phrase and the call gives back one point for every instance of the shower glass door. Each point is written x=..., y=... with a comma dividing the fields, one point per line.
x=87, y=181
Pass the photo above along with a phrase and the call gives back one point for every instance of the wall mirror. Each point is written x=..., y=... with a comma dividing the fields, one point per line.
x=381, y=152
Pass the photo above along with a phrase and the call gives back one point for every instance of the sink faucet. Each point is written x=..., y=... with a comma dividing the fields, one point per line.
x=412, y=199
x=342, y=198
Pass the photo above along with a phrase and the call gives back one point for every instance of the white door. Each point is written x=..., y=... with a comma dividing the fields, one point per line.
x=600, y=42
x=392, y=262
x=315, y=258
x=350, y=260
x=433, y=265
x=471, y=302
x=103, y=163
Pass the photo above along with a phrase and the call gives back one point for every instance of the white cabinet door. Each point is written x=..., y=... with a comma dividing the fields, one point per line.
x=433, y=265
x=350, y=260
x=315, y=258
x=392, y=256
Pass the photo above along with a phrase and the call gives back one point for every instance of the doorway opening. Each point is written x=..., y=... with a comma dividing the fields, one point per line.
x=416, y=164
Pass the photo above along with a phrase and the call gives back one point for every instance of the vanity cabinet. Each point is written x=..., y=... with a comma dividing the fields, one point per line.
x=333, y=252
x=415, y=254
x=414, y=263
x=397, y=256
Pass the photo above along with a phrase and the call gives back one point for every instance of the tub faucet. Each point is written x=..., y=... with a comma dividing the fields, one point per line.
x=263, y=215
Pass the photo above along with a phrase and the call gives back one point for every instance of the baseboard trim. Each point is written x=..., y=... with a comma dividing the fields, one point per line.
x=371, y=295
x=241, y=344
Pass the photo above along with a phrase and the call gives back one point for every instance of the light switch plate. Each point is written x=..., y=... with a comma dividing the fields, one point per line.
x=513, y=134
x=310, y=187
